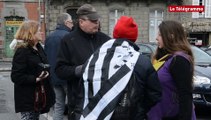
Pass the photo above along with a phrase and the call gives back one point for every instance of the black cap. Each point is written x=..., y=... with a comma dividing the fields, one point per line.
x=89, y=11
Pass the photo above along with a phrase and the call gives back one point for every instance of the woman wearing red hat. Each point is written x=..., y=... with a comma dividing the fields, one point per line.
x=119, y=82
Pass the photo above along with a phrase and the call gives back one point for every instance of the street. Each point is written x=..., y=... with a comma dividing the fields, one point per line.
x=6, y=98
x=7, y=102
x=7, y=111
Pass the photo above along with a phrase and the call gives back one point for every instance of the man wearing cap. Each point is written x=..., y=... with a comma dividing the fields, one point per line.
x=75, y=49
x=119, y=82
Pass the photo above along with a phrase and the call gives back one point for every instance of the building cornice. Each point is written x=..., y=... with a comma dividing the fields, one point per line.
x=127, y=2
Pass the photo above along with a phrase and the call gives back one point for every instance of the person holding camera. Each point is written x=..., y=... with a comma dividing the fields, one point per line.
x=33, y=92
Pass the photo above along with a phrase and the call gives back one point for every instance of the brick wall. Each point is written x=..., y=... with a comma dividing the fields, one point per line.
x=32, y=9
x=1, y=26
x=33, y=13
x=1, y=30
x=29, y=10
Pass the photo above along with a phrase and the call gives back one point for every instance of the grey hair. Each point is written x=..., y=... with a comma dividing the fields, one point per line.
x=62, y=18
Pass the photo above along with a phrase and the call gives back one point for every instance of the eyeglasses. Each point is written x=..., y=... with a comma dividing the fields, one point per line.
x=93, y=21
x=69, y=21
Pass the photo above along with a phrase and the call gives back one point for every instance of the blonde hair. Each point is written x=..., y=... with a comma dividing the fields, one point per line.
x=26, y=32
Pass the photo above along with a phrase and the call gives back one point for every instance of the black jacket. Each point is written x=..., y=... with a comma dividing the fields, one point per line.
x=75, y=49
x=147, y=88
x=25, y=69
x=144, y=88
x=144, y=91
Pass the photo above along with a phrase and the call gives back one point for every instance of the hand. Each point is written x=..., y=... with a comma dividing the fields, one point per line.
x=78, y=71
x=43, y=75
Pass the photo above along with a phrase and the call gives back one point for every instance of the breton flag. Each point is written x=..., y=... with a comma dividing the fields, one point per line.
x=106, y=74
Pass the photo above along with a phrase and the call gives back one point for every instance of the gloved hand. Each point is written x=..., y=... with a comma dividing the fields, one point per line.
x=78, y=71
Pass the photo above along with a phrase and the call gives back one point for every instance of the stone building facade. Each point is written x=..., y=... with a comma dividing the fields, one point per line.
x=198, y=25
x=147, y=13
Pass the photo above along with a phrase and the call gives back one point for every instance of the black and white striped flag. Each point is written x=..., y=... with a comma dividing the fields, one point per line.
x=106, y=74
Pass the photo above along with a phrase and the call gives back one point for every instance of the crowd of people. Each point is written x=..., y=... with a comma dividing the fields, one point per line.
x=99, y=77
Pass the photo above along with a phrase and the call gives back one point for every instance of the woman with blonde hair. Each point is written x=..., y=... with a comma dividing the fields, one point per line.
x=30, y=73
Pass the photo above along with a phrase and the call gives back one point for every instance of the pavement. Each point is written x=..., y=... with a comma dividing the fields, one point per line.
x=5, y=67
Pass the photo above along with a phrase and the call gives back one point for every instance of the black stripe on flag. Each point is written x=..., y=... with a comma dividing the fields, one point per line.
x=91, y=73
x=107, y=60
x=109, y=108
x=105, y=88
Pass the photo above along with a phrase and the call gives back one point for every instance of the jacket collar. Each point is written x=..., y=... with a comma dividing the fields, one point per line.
x=63, y=27
x=86, y=35
x=131, y=43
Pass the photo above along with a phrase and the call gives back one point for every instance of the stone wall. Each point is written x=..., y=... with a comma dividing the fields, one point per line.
x=138, y=10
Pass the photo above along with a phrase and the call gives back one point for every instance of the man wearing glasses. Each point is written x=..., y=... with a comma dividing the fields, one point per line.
x=75, y=49
x=64, y=26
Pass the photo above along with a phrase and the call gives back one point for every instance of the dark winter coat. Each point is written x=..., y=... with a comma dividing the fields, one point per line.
x=147, y=88
x=25, y=69
x=52, y=44
x=143, y=90
x=75, y=49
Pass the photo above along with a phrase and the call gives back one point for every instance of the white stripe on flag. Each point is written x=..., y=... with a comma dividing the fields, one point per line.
x=123, y=54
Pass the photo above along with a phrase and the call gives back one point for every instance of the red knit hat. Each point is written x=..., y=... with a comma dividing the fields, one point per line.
x=126, y=28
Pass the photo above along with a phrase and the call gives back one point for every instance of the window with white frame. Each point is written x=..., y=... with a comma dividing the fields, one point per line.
x=114, y=15
x=155, y=18
x=206, y=13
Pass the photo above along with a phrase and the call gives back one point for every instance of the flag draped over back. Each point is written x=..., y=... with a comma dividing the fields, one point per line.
x=106, y=74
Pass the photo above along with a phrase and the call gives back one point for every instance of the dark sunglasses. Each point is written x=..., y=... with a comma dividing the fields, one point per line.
x=93, y=21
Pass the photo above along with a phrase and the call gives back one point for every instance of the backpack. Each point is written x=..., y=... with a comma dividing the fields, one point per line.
x=125, y=104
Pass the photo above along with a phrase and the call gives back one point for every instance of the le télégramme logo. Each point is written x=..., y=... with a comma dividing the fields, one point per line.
x=186, y=8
